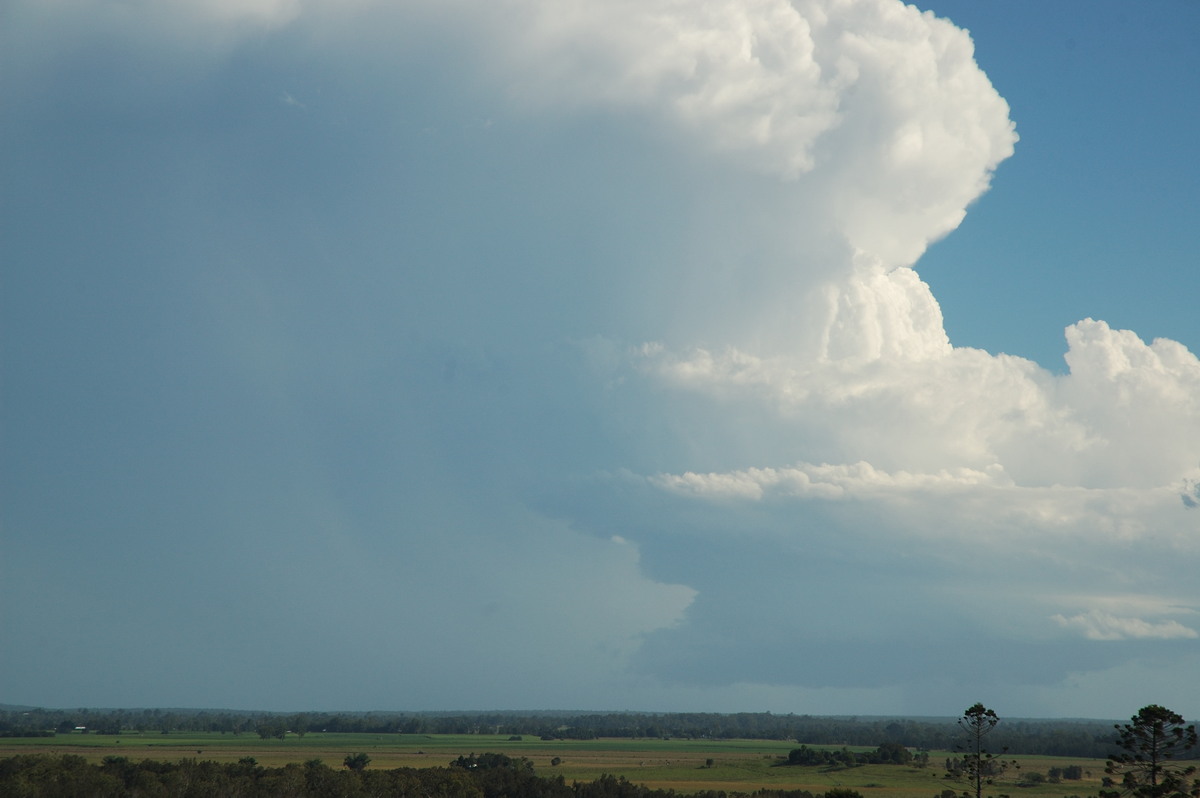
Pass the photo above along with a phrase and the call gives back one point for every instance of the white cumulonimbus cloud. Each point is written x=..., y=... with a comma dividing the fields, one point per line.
x=874, y=114
x=808, y=421
x=878, y=115
x=825, y=365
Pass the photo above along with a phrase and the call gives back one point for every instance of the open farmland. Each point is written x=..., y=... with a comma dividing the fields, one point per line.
x=684, y=765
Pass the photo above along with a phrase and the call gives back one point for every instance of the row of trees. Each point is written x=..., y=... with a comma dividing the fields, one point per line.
x=889, y=753
x=1092, y=739
x=1149, y=764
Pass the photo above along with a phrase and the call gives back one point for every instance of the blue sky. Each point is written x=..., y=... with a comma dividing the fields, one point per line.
x=600, y=355
x=1094, y=218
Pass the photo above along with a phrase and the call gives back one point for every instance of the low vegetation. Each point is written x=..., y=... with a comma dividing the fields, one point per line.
x=487, y=775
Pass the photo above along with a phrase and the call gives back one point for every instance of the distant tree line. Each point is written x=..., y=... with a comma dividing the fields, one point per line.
x=1035, y=737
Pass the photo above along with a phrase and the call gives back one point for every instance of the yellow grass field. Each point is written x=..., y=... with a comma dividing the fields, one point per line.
x=683, y=765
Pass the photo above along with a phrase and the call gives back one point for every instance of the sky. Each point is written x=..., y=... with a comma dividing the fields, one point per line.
x=822, y=356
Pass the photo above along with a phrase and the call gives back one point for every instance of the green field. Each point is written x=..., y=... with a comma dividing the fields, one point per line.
x=680, y=764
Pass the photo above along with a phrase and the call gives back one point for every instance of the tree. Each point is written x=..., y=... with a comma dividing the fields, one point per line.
x=892, y=753
x=356, y=762
x=978, y=765
x=1152, y=739
x=299, y=724
x=271, y=729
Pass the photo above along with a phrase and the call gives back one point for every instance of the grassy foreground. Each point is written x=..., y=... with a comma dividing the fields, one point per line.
x=679, y=764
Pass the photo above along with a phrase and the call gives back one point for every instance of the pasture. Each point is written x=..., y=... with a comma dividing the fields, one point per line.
x=685, y=765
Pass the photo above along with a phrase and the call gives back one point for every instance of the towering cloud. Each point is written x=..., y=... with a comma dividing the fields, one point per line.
x=597, y=321
x=873, y=115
